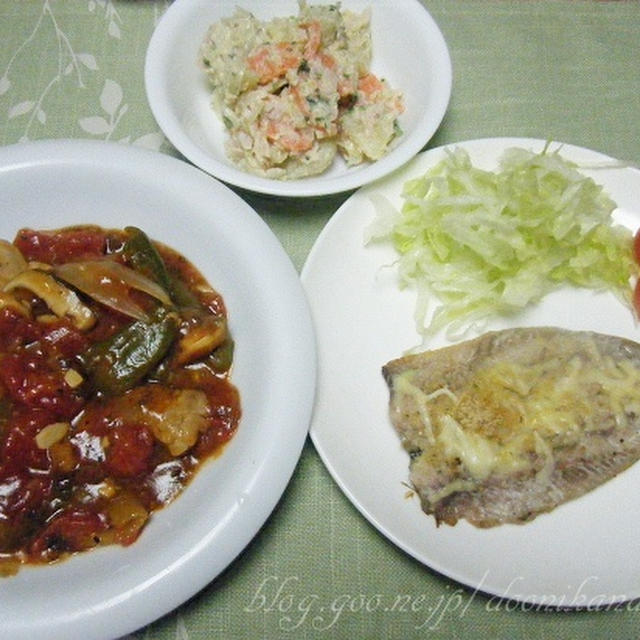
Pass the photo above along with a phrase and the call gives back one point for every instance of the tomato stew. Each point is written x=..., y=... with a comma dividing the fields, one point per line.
x=115, y=359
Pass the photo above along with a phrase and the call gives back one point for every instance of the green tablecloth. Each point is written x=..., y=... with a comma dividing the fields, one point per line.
x=567, y=70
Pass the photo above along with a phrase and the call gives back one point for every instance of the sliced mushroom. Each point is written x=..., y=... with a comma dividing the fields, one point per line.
x=61, y=300
x=9, y=301
x=12, y=261
x=40, y=266
x=201, y=340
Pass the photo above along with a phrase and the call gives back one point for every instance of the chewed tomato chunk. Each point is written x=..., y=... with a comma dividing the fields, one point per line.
x=129, y=451
x=16, y=330
x=31, y=381
x=18, y=449
x=54, y=248
x=25, y=494
x=68, y=532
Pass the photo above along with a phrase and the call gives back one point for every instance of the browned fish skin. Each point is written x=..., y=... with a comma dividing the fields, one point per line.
x=595, y=456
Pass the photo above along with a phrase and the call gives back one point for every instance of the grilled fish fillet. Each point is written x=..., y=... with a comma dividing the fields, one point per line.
x=509, y=425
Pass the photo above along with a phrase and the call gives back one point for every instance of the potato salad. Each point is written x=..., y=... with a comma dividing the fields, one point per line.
x=295, y=92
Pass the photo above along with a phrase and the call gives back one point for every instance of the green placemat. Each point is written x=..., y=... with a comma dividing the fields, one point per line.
x=566, y=70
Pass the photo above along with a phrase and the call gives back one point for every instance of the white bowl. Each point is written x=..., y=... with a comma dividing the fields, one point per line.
x=408, y=50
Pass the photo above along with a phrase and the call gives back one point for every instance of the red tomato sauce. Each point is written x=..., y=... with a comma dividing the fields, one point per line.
x=104, y=423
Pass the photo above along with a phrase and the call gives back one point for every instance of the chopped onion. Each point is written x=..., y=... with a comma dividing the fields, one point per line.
x=51, y=434
x=109, y=283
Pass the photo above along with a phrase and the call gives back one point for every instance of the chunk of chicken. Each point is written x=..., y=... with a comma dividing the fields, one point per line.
x=175, y=416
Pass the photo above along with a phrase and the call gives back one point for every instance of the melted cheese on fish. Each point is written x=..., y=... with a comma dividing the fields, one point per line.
x=513, y=416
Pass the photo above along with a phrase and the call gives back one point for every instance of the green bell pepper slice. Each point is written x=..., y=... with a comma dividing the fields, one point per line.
x=117, y=364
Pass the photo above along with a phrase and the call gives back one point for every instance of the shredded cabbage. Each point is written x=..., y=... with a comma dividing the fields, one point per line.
x=486, y=243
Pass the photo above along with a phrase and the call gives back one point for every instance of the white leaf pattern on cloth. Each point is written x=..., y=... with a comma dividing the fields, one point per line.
x=114, y=29
x=95, y=125
x=111, y=97
x=88, y=60
x=21, y=108
x=111, y=103
x=181, y=629
x=151, y=141
x=70, y=67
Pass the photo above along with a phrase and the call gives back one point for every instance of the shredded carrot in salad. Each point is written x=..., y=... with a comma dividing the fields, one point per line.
x=294, y=92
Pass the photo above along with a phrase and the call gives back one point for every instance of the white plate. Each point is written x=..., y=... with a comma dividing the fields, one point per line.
x=109, y=592
x=584, y=553
x=408, y=50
